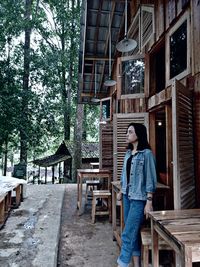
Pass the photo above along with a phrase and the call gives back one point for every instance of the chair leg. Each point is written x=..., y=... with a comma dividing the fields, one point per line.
x=86, y=194
x=145, y=256
x=93, y=209
x=110, y=209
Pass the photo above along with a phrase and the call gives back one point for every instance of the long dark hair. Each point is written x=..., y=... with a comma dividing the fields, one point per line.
x=141, y=132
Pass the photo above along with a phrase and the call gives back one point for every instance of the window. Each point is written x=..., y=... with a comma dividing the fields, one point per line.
x=157, y=69
x=105, y=109
x=178, y=50
x=132, y=75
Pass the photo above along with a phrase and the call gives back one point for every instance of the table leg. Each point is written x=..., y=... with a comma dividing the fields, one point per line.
x=186, y=258
x=109, y=183
x=81, y=191
x=114, y=200
x=78, y=192
x=121, y=215
x=154, y=250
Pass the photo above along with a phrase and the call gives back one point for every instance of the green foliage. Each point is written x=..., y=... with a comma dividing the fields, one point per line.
x=53, y=80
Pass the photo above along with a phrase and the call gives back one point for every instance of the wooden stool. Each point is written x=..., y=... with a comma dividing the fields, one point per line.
x=146, y=245
x=91, y=184
x=104, y=195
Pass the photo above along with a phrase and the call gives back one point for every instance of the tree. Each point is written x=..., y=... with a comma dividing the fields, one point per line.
x=25, y=95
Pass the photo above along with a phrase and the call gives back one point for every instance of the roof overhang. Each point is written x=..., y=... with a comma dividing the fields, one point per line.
x=94, y=45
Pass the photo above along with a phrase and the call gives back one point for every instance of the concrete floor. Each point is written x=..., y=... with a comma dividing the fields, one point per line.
x=30, y=235
x=47, y=231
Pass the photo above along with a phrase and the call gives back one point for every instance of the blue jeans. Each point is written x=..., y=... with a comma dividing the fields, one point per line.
x=131, y=238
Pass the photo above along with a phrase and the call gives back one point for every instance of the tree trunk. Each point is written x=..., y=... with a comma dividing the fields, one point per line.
x=78, y=132
x=24, y=122
x=65, y=88
x=5, y=157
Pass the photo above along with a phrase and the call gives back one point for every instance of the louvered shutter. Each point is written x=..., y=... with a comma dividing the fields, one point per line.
x=120, y=124
x=134, y=32
x=183, y=150
x=142, y=28
x=147, y=24
x=106, y=146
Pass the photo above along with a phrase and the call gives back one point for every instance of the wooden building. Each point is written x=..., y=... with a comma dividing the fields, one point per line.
x=158, y=84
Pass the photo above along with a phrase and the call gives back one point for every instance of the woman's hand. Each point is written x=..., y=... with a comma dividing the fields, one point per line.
x=119, y=196
x=148, y=207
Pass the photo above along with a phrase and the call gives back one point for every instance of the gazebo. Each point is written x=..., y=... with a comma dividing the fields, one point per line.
x=61, y=155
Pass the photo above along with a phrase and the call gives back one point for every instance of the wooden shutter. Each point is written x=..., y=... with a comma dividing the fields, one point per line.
x=134, y=32
x=120, y=124
x=106, y=146
x=142, y=28
x=183, y=150
x=147, y=24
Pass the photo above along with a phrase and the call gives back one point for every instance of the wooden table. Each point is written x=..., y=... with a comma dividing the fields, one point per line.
x=116, y=186
x=181, y=230
x=90, y=174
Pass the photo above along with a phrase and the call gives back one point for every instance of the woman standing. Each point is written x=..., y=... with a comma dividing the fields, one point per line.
x=138, y=183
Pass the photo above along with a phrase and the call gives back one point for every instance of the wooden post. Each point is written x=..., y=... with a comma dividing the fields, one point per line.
x=45, y=175
x=53, y=174
x=39, y=173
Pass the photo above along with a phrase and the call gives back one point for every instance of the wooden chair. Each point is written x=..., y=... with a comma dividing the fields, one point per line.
x=146, y=245
x=105, y=209
x=90, y=186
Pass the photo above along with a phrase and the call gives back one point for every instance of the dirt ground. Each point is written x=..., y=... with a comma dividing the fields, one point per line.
x=83, y=244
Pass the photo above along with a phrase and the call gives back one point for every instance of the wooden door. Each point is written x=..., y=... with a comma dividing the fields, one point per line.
x=120, y=124
x=183, y=150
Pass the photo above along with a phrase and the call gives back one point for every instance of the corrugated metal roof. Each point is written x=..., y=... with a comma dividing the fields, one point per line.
x=94, y=47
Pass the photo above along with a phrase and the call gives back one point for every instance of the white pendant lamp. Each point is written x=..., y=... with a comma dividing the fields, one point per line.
x=95, y=99
x=126, y=45
x=110, y=82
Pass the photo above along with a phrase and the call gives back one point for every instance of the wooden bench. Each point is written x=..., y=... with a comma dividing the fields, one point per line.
x=104, y=195
x=146, y=245
x=16, y=200
x=5, y=206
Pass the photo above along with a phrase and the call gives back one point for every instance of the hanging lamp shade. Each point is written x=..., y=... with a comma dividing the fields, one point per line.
x=126, y=45
x=110, y=82
x=95, y=100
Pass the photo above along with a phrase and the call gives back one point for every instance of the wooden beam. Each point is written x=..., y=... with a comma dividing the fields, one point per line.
x=98, y=58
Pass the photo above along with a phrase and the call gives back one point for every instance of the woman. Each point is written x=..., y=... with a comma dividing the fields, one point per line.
x=138, y=183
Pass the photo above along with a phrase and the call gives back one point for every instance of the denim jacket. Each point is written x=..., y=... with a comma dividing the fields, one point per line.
x=143, y=176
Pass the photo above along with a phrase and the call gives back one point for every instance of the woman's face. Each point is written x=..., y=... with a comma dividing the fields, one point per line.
x=131, y=136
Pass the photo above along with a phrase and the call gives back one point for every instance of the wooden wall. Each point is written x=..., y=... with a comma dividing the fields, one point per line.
x=197, y=134
x=132, y=105
x=195, y=21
